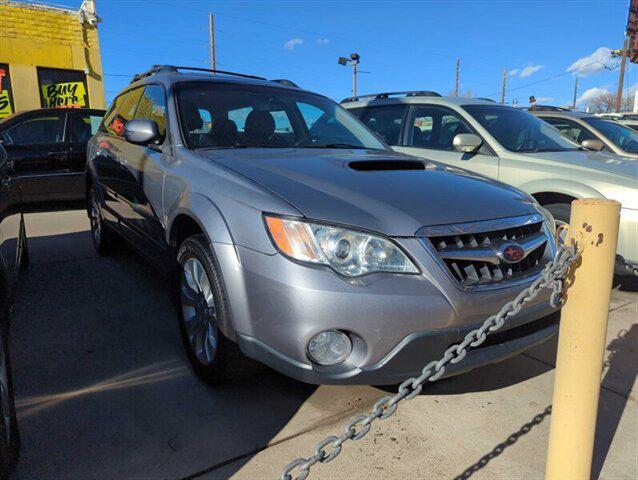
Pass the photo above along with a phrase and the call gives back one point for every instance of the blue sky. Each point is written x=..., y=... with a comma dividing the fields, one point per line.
x=404, y=45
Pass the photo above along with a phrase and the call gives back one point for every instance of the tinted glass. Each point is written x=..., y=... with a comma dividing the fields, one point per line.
x=152, y=106
x=46, y=129
x=255, y=116
x=519, y=131
x=122, y=110
x=386, y=121
x=624, y=137
x=435, y=128
x=573, y=130
x=84, y=126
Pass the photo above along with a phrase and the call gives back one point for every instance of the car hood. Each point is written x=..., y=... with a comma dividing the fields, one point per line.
x=606, y=162
x=323, y=184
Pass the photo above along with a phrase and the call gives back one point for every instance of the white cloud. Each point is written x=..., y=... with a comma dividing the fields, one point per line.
x=530, y=70
x=598, y=61
x=323, y=41
x=589, y=95
x=292, y=43
x=541, y=100
x=514, y=72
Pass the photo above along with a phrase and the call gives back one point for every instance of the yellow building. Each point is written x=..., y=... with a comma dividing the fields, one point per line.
x=49, y=57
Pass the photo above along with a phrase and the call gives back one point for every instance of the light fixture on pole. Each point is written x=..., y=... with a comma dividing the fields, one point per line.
x=354, y=61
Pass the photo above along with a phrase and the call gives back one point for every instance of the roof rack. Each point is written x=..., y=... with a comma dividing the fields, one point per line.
x=284, y=81
x=377, y=96
x=175, y=69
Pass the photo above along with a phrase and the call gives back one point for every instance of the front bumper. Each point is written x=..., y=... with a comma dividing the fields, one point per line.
x=628, y=235
x=397, y=323
x=409, y=357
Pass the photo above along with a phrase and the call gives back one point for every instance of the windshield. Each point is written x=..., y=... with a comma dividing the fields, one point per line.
x=519, y=131
x=624, y=137
x=215, y=115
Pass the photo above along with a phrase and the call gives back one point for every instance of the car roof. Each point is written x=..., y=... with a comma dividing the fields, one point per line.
x=566, y=114
x=23, y=113
x=416, y=99
x=169, y=75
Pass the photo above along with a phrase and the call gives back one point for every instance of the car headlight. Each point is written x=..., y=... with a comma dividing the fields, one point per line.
x=348, y=252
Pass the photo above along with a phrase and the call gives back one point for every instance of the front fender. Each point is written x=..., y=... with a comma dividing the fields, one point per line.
x=206, y=214
x=558, y=185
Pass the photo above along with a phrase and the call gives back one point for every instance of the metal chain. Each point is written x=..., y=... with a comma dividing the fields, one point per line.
x=329, y=448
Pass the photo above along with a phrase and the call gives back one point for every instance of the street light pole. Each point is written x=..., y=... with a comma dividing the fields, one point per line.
x=354, y=78
x=353, y=60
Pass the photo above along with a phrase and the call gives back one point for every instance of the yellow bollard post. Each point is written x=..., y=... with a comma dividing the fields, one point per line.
x=581, y=339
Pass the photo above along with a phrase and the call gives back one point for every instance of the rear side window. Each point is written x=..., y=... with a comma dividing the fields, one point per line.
x=152, y=106
x=386, y=121
x=122, y=110
x=38, y=130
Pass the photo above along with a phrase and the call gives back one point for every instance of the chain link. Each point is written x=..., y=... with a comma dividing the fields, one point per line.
x=552, y=276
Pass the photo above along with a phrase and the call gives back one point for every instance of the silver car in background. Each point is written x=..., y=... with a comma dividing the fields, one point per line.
x=509, y=145
x=593, y=132
x=303, y=241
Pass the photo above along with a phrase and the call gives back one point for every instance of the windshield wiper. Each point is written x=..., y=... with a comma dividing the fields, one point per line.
x=338, y=145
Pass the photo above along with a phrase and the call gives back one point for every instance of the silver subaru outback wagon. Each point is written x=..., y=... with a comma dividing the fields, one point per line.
x=302, y=241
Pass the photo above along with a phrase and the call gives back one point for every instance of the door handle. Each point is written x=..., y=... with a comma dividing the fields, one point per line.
x=57, y=154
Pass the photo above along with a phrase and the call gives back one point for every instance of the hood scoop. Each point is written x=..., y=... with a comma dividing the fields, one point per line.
x=386, y=165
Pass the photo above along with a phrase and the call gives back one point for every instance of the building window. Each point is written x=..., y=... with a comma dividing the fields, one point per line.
x=62, y=88
x=6, y=97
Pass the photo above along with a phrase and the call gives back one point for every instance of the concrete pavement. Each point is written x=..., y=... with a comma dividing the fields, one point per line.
x=103, y=391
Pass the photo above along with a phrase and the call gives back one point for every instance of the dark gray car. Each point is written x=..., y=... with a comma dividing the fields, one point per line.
x=302, y=240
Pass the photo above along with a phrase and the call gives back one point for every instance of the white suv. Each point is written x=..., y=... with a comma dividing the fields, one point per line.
x=507, y=144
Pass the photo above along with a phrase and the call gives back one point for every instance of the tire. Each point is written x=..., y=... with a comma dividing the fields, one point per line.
x=202, y=307
x=560, y=211
x=104, y=239
x=9, y=433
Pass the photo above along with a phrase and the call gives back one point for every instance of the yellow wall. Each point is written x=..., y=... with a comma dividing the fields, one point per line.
x=37, y=36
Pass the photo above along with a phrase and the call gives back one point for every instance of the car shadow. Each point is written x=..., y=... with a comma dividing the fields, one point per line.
x=622, y=368
x=103, y=387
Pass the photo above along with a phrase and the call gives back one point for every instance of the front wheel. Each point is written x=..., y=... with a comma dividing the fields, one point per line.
x=103, y=239
x=9, y=435
x=202, y=308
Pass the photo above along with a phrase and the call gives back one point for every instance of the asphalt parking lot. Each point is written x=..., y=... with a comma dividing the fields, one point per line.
x=103, y=390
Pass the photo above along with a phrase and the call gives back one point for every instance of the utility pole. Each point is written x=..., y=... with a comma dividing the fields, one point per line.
x=211, y=26
x=621, y=76
x=456, y=85
x=504, y=82
x=575, y=93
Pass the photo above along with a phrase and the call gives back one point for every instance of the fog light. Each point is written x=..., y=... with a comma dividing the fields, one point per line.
x=329, y=347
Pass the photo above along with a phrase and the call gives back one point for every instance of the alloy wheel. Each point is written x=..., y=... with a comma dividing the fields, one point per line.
x=199, y=312
x=96, y=220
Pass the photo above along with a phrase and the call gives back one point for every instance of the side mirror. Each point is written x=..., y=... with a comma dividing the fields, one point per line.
x=591, y=144
x=466, y=143
x=141, y=131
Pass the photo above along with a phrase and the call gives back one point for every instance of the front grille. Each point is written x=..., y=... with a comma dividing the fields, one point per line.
x=472, y=253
